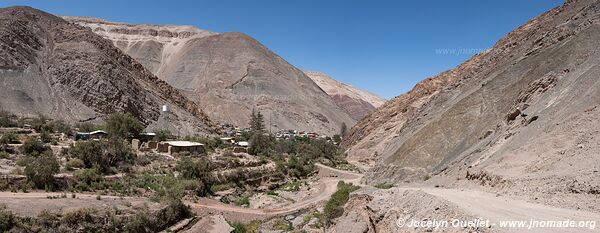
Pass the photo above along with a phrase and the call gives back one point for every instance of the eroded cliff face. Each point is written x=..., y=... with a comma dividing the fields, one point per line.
x=356, y=102
x=227, y=74
x=52, y=67
x=486, y=111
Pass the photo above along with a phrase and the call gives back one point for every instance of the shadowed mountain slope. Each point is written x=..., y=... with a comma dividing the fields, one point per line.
x=62, y=70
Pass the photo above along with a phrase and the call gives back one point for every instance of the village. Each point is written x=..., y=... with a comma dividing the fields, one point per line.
x=244, y=167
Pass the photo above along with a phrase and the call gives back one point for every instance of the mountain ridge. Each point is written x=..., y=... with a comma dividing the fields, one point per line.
x=443, y=122
x=52, y=67
x=357, y=102
x=229, y=74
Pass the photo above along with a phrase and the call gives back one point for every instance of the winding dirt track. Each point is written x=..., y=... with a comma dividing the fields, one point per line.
x=480, y=204
x=327, y=186
x=497, y=209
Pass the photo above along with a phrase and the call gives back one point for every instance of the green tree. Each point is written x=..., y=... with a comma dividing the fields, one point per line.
x=260, y=144
x=257, y=123
x=162, y=135
x=40, y=170
x=103, y=155
x=123, y=125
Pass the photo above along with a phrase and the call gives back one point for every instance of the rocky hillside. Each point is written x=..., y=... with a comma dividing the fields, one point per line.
x=62, y=70
x=227, y=74
x=358, y=103
x=522, y=115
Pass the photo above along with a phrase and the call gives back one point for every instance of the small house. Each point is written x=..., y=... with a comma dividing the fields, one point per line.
x=227, y=140
x=98, y=134
x=180, y=146
x=94, y=135
x=241, y=147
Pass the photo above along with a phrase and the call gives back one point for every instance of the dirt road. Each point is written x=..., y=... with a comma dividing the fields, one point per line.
x=327, y=185
x=499, y=210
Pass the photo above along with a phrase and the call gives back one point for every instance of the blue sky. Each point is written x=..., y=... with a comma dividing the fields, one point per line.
x=382, y=46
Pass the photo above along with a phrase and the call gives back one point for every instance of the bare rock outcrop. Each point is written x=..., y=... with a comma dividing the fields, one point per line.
x=62, y=70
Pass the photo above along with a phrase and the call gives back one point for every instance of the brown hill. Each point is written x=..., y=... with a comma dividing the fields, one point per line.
x=228, y=74
x=52, y=67
x=356, y=102
x=522, y=115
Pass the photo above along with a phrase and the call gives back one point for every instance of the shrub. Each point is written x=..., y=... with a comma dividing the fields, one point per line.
x=7, y=119
x=59, y=126
x=333, y=207
x=145, y=222
x=34, y=147
x=193, y=168
x=282, y=225
x=384, y=186
x=123, y=125
x=40, y=170
x=238, y=227
x=103, y=155
x=7, y=220
x=46, y=137
x=89, y=179
x=243, y=201
x=221, y=187
x=74, y=163
x=337, y=138
x=9, y=137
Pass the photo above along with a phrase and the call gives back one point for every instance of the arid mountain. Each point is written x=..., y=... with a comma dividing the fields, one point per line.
x=62, y=70
x=522, y=115
x=356, y=102
x=227, y=74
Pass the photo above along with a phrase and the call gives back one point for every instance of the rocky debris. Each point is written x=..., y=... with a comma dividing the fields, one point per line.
x=62, y=70
x=262, y=201
x=210, y=224
x=393, y=209
x=356, y=102
x=485, y=178
x=228, y=74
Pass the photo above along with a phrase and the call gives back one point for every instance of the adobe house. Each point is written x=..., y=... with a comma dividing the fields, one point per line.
x=241, y=147
x=180, y=146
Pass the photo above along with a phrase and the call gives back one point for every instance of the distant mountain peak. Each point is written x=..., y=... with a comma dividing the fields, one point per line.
x=358, y=103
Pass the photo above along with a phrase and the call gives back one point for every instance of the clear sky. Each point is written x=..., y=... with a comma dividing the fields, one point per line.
x=382, y=46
